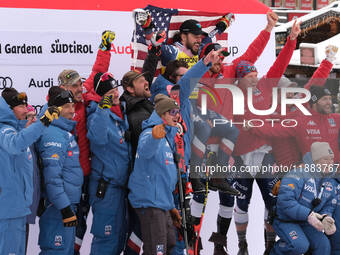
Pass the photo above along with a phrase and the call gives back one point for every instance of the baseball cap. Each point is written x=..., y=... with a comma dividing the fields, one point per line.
x=130, y=76
x=68, y=77
x=191, y=26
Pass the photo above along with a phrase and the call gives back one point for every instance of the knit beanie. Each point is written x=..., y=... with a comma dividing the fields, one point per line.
x=244, y=67
x=13, y=97
x=164, y=103
x=320, y=149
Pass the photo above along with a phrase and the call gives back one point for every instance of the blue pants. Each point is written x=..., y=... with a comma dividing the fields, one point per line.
x=336, y=237
x=180, y=245
x=54, y=238
x=245, y=186
x=298, y=238
x=109, y=222
x=13, y=236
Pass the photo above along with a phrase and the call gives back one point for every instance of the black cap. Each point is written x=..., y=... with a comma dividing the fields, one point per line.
x=13, y=98
x=191, y=26
x=213, y=46
x=58, y=96
x=318, y=92
x=102, y=86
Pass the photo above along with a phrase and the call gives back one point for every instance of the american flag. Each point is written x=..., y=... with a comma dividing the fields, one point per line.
x=170, y=20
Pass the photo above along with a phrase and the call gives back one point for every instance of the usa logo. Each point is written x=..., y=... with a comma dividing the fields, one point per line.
x=58, y=240
x=107, y=230
x=70, y=153
x=331, y=122
x=293, y=235
x=160, y=249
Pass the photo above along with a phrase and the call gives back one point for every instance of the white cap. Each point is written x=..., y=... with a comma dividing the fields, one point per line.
x=284, y=82
x=320, y=149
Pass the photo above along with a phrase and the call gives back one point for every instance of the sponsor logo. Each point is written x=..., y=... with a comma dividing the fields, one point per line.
x=107, y=230
x=41, y=84
x=291, y=185
x=309, y=188
x=21, y=49
x=54, y=144
x=331, y=122
x=121, y=49
x=311, y=123
x=160, y=249
x=37, y=108
x=73, y=48
x=313, y=131
x=293, y=235
x=55, y=156
x=70, y=153
x=58, y=240
x=5, y=82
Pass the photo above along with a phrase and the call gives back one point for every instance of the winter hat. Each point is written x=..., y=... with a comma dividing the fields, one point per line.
x=164, y=103
x=13, y=97
x=212, y=46
x=68, y=77
x=102, y=83
x=318, y=92
x=129, y=77
x=244, y=67
x=284, y=82
x=59, y=97
x=320, y=149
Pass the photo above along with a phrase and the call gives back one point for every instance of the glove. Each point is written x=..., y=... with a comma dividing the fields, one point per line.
x=276, y=188
x=225, y=22
x=107, y=38
x=158, y=131
x=331, y=51
x=176, y=218
x=106, y=102
x=156, y=41
x=51, y=113
x=328, y=224
x=142, y=17
x=314, y=220
x=69, y=218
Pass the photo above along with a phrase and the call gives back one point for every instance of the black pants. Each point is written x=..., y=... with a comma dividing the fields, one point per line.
x=158, y=232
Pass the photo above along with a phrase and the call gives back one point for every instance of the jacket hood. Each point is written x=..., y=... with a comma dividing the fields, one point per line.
x=160, y=87
x=64, y=124
x=131, y=101
x=7, y=115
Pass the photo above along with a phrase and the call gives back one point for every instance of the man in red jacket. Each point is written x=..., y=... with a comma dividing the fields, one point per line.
x=252, y=151
x=71, y=80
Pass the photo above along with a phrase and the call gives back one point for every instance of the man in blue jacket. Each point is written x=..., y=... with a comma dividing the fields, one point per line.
x=109, y=167
x=16, y=175
x=305, y=205
x=63, y=179
x=154, y=178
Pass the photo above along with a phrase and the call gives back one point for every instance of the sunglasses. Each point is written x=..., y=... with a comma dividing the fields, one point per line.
x=66, y=94
x=174, y=112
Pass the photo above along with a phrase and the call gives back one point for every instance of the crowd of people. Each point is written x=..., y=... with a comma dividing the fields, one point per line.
x=134, y=159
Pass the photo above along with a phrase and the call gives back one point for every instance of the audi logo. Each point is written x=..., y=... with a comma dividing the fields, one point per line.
x=37, y=108
x=5, y=82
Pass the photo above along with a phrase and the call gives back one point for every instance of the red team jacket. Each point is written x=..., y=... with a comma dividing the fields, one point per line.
x=262, y=99
x=253, y=52
x=286, y=151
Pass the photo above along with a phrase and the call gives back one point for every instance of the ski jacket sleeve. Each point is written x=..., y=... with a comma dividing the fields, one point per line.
x=321, y=74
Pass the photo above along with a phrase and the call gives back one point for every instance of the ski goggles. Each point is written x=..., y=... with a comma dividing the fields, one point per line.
x=64, y=97
x=18, y=99
x=174, y=112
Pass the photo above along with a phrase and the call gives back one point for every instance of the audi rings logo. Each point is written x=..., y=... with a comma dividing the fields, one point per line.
x=5, y=82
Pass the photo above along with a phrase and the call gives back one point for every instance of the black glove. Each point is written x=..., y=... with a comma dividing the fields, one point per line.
x=69, y=218
x=106, y=102
x=107, y=38
x=51, y=113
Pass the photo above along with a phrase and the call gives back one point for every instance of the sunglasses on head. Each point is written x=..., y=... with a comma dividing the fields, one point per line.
x=66, y=94
x=71, y=75
x=173, y=112
x=107, y=77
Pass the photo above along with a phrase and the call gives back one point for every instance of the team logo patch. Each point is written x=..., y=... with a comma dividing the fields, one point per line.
x=331, y=122
x=293, y=235
x=166, y=162
x=58, y=240
x=55, y=156
x=70, y=153
x=329, y=186
x=107, y=230
x=160, y=249
x=291, y=185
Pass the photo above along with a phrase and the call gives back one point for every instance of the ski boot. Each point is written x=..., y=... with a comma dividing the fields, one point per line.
x=220, y=243
x=197, y=185
x=219, y=184
x=243, y=248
